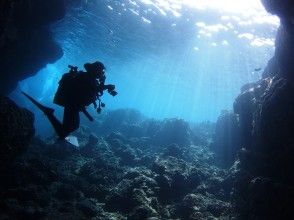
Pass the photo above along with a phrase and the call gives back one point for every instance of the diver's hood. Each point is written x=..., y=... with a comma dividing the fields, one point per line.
x=94, y=67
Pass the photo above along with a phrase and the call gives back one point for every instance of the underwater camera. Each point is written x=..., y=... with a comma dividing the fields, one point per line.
x=73, y=69
x=111, y=90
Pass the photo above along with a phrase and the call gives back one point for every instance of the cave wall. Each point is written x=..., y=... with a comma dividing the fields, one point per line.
x=282, y=64
x=16, y=130
x=263, y=173
x=26, y=42
x=26, y=46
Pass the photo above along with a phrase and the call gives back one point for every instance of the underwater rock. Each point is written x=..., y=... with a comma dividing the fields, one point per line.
x=100, y=150
x=134, y=191
x=93, y=140
x=61, y=150
x=173, y=131
x=130, y=125
x=246, y=107
x=16, y=130
x=263, y=171
x=274, y=129
x=227, y=138
x=26, y=41
x=201, y=133
x=29, y=211
x=125, y=121
x=142, y=212
x=284, y=46
x=121, y=148
x=204, y=207
x=213, y=185
x=270, y=200
x=114, y=177
x=34, y=171
x=151, y=126
x=175, y=178
x=173, y=150
x=281, y=63
x=283, y=8
x=127, y=195
x=66, y=192
x=271, y=69
x=94, y=172
x=89, y=207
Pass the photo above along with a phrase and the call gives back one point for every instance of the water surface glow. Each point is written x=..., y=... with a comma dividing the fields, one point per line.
x=234, y=14
x=248, y=7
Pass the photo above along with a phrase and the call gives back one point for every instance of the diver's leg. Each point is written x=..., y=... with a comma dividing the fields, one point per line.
x=43, y=108
x=71, y=120
x=58, y=127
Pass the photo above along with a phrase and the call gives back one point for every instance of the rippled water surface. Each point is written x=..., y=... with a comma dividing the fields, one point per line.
x=167, y=58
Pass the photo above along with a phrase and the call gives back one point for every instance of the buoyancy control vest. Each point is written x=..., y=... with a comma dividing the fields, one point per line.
x=76, y=90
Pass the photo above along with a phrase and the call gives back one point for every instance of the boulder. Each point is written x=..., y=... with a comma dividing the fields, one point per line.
x=227, y=138
x=16, y=130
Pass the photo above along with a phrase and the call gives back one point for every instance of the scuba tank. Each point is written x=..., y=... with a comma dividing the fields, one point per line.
x=64, y=95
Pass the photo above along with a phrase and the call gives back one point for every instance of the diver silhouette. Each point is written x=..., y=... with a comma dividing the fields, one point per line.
x=76, y=90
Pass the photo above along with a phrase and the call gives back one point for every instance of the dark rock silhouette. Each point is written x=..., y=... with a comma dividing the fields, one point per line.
x=285, y=37
x=16, y=130
x=283, y=8
x=26, y=42
x=265, y=164
x=173, y=131
x=262, y=176
x=227, y=138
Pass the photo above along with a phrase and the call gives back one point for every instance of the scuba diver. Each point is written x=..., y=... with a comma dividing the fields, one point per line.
x=76, y=90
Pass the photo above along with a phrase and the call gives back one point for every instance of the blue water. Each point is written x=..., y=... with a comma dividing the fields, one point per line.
x=186, y=63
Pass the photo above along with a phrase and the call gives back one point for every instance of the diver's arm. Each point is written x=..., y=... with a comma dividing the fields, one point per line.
x=95, y=104
x=110, y=89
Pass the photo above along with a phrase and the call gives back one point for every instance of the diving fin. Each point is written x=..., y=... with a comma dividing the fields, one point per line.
x=43, y=108
x=72, y=140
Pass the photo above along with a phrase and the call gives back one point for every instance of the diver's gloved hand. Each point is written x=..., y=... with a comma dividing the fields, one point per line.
x=110, y=89
x=113, y=93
